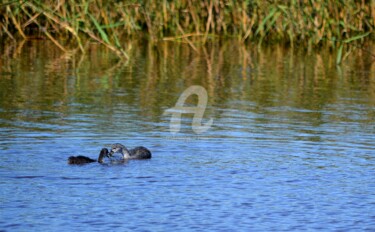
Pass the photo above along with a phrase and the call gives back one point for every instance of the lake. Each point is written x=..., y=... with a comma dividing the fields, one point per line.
x=291, y=145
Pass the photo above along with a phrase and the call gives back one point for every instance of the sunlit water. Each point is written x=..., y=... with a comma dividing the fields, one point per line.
x=292, y=144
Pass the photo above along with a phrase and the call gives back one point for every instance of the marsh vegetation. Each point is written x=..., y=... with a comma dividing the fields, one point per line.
x=74, y=24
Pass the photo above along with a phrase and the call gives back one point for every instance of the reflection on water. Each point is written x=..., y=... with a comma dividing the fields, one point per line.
x=291, y=146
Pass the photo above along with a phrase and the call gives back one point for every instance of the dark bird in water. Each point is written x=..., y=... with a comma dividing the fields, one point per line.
x=84, y=160
x=135, y=153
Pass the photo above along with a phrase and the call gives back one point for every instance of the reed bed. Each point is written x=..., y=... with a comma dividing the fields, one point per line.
x=310, y=23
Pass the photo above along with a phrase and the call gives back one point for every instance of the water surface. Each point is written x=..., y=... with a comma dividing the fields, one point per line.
x=291, y=147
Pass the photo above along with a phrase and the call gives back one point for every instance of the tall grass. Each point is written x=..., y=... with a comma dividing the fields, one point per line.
x=303, y=22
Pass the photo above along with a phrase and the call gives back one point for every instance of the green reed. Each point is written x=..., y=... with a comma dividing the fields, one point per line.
x=310, y=23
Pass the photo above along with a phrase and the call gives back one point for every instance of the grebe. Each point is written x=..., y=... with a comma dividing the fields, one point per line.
x=84, y=160
x=135, y=153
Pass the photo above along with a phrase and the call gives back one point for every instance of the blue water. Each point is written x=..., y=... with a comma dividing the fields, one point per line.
x=261, y=167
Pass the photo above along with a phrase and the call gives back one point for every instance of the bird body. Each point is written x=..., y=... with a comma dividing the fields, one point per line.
x=80, y=160
x=135, y=153
x=84, y=160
